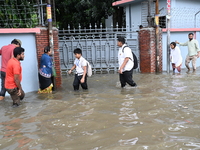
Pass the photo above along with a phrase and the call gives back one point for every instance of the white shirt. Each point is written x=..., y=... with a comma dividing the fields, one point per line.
x=80, y=63
x=122, y=55
x=175, y=56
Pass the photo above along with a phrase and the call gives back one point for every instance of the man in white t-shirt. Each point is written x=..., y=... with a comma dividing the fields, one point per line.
x=126, y=63
x=80, y=64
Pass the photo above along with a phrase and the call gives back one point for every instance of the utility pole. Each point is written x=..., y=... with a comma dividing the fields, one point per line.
x=157, y=36
x=49, y=18
x=168, y=34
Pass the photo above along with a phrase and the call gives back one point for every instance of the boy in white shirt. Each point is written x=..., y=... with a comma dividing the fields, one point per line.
x=126, y=63
x=80, y=64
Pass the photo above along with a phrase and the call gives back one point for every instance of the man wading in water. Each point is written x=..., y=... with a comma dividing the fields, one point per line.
x=126, y=63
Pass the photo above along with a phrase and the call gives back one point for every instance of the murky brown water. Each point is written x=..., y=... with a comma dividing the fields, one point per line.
x=163, y=112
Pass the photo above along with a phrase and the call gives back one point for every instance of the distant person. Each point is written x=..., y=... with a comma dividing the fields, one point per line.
x=193, y=51
x=6, y=53
x=140, y=27
x=176, y=58
x=14, y=76
x=80, y=64
x=45, y=72
x=126, y=63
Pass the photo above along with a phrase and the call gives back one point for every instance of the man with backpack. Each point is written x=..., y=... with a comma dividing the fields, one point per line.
x=126, y=63
x=80, y=64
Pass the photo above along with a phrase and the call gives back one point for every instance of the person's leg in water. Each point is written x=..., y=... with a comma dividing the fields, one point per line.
x=3, y=89
x=187, y=61
x=173, y=67
x=194, y=59
x=122, y=80
x=84, y=85
x=128, y=76
x=76, y=83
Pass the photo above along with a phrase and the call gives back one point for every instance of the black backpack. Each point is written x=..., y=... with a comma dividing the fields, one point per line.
x=134, y=59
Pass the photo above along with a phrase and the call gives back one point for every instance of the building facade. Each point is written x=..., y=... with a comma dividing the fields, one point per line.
x=184, y=18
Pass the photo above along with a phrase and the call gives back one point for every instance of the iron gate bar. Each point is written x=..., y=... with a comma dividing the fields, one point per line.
x=99, y=47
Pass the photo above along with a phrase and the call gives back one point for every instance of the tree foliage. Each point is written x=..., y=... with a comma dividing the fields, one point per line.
x=83, y=12
x=17, y=14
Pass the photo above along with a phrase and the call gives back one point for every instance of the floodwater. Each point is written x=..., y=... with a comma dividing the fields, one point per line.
x=162, y=113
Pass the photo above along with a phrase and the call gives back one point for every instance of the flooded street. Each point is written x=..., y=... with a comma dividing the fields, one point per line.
x=162, y=113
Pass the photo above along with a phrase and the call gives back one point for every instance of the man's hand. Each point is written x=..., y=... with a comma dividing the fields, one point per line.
x=176, y=42
x=19, y=93
x=70, y=71
x=120, y=71
x=82, y=80
x=198, y=55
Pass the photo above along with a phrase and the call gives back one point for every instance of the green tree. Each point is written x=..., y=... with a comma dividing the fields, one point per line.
x=83, y=12
x=17, y=14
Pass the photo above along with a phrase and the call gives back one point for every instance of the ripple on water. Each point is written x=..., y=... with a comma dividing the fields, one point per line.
x=177, y=128
x=132, y=141
x=129, y=117
x=129, y=124
x=193, y=145
x=153, y=112
x=129, y=103
x=196, y=108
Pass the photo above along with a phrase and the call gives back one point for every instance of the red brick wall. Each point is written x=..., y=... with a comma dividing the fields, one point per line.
x=147, y=46
x=42, y=40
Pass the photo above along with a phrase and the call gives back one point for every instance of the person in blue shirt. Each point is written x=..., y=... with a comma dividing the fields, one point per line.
x=45, y=72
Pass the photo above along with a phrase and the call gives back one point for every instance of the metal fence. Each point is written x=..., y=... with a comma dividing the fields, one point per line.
x=182, y=17
x=23, y=13
x=99, y=47
x=190, y=19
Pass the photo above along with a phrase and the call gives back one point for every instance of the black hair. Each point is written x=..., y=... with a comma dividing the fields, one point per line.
x=47, y=49
x=140, y=26
x=18, y=51
x=121, y=39
x=173, y=43
x=190, y=34
x=78, y=51
x=15, y=42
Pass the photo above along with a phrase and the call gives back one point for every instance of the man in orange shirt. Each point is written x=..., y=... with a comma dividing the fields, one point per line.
x=14, y=76
x=6, y=52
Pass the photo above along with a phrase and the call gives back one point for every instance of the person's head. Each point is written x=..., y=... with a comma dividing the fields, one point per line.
x=19, y=53
x=47, y=50
x=16, y=42
x=120, y=41
x=78, y=53
x=172, y=45
x=190, y=36
x=140, y=26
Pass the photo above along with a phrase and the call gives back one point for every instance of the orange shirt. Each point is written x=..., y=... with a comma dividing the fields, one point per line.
x=13, y=67
x=6, y=52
